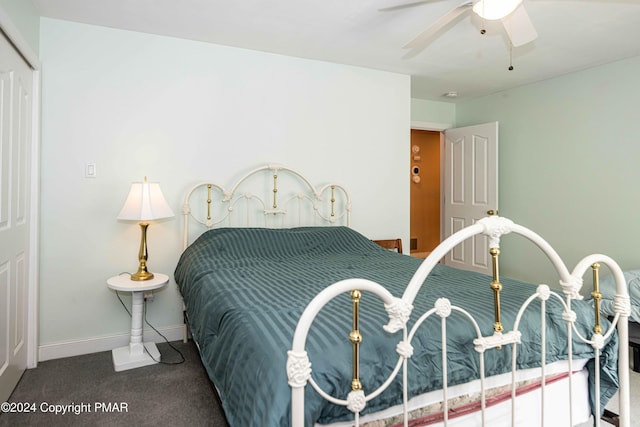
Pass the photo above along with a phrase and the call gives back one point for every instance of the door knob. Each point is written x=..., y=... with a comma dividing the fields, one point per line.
x=492, y=212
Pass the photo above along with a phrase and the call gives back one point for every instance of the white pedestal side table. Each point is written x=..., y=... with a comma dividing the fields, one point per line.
x=134, y=354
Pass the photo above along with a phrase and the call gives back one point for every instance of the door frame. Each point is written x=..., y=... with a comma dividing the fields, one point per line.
x=12, y=33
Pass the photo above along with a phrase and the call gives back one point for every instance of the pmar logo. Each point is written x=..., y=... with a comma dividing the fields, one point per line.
x=110, y=407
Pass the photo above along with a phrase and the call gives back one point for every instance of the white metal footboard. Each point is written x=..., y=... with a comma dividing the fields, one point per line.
x=299, y=369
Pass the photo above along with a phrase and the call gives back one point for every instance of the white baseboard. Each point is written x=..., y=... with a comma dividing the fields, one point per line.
x=106, y=343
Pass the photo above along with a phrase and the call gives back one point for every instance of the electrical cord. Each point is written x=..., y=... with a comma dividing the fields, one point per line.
x=165, y=339
x=144, y=308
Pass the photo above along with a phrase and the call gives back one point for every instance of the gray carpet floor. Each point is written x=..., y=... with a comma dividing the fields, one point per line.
x=158, y=395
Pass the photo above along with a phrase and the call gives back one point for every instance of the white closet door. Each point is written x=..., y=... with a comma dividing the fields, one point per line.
x=470, y=190
x=16, y=92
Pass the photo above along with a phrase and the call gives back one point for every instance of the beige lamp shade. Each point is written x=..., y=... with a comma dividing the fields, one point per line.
x=145, y=202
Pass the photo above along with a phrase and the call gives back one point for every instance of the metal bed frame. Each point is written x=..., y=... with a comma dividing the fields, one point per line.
x=276, y=196
x=299, y=368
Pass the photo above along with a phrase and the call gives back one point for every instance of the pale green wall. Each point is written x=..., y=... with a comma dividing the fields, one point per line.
x=181, y=112
x=569, y=164
x=423, y=110
x=26, y=19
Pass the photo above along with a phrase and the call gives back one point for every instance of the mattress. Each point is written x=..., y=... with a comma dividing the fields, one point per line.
x=245, y=289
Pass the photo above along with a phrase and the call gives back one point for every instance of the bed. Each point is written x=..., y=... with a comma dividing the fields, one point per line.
x=607, y=303
x=301, y=320
x=608, y=290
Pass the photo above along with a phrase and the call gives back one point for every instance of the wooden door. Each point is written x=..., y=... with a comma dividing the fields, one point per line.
x=470, y=190
x=16, y=91
x=425, y=191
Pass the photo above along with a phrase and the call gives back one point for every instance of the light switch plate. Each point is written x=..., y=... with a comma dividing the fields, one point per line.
x=90, y=170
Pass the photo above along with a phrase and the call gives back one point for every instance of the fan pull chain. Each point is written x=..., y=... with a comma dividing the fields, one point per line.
x=510, y=43
x=510, y=56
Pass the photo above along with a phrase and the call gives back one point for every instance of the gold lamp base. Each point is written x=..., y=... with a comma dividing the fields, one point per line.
x=142, y=273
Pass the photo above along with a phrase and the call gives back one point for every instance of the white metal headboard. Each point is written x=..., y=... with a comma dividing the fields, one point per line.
x=271, y=196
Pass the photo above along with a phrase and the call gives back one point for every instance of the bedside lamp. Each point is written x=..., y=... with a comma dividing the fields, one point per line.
x=144, y=203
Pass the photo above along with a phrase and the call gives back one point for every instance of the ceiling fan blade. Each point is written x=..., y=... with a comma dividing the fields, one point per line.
x=406, y=5
x=519, y=27
x=446, y=19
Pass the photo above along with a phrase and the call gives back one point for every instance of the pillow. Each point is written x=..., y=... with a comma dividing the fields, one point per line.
x=608, y=290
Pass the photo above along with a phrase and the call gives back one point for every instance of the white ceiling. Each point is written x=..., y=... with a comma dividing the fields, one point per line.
x=573, y=35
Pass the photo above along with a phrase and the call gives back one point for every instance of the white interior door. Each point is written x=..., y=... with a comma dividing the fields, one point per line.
x=16, y=93
x=470, y=190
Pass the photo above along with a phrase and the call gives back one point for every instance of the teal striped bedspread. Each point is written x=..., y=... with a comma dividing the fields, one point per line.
x=245, y=289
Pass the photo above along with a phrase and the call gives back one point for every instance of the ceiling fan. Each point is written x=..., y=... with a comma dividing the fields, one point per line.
x=512, y=13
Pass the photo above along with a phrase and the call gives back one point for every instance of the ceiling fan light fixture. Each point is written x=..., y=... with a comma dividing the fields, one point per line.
x=495, y=9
